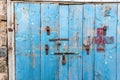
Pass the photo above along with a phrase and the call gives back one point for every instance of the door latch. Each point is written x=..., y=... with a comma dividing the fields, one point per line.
x=59, y=39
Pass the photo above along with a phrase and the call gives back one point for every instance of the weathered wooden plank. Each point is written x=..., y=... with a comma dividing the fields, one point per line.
x=22, y=39
x=63, y=21
x=27, y=41
x=72, y=0
x=50, y=62
x=105, y=62
x=109, y=0
x=111, y=22
x=35, y=40
x=118, y=44
x=75, y=41
x=88, y=34
x=11, y=57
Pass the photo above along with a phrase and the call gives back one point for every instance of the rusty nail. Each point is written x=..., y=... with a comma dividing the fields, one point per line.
x=10, y=29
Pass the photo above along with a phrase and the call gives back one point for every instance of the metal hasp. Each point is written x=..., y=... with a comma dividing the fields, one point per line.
x=101, y=39
x=57, y=40
x=47, y=30
x=63, y=55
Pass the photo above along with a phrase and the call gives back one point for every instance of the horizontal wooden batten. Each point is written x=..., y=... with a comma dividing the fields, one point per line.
x=67, y=2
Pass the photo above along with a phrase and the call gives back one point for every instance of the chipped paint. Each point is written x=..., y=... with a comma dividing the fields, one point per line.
x=88, y=44
x=107, y=11
x=75, y=38
x=24, y=13
x=98, y=76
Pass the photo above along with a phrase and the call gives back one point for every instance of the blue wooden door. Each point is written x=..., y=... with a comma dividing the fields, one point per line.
x=66, y=42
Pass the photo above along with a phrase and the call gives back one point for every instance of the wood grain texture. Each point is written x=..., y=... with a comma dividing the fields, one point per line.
x=50, y=62
x=10, y=44
x=71, y=0
x=27, y=41
x=79, y=24
x=75, y=41
x=88, y=34
x=105, y=62
x=118, y=44
x=63, y=21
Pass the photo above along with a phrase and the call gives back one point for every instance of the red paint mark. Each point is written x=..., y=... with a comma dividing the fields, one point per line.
x=101, y=39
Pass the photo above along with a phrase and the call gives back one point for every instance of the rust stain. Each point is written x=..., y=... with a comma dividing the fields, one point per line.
x=33, y=59
x=86, y=45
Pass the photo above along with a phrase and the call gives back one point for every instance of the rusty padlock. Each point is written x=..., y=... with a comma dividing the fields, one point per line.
x=63, y=60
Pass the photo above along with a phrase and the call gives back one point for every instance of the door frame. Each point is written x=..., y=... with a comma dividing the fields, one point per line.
x=11, y=26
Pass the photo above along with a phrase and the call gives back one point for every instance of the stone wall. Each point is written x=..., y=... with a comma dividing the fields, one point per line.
x=3, y=41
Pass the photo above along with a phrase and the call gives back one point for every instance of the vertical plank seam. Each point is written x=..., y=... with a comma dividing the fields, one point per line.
x=93, y=43
x=82, y=37
x=116, y=40
x=40, y=41
x=58, y=37
x=68, y=38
